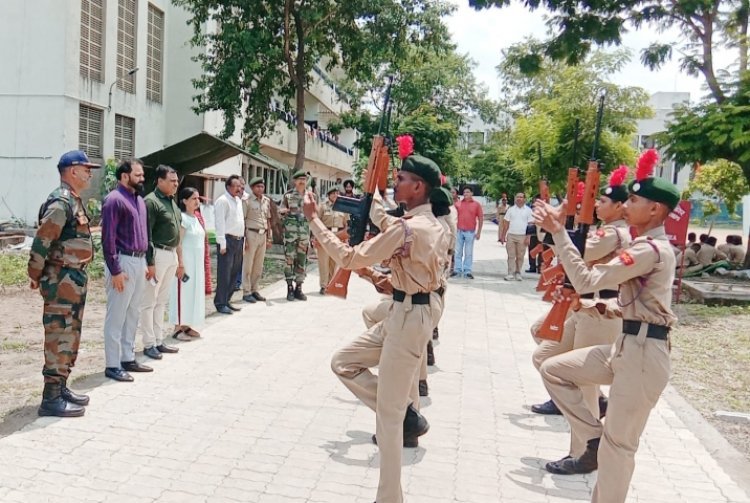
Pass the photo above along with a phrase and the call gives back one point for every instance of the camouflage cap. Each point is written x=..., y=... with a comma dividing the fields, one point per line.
x=333, y=188
x=300, y=173
x=256, y=180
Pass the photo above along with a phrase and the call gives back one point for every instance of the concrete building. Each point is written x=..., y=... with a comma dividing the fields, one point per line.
x=113, y=78
x=663, y=104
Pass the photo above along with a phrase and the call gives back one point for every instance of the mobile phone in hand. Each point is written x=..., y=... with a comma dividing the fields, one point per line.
x=185, y=278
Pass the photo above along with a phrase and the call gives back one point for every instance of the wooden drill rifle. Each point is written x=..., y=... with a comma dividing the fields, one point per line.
x=376, y=178
x=552, y=328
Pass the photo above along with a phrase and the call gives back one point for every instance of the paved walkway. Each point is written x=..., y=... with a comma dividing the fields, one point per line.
x=252, y=413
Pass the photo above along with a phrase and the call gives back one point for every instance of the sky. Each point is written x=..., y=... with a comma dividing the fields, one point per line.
x=483, y=34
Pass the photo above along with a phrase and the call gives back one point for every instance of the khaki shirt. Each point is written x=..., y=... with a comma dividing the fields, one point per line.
x=605, y=242
x=449, y=223
x=707, y=255
x=334, y=220
x=257, y=212
x=414, y=246
x=644, y=273
x=734, y=253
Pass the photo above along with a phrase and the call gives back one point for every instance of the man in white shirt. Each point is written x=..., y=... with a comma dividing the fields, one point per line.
x=230, y=232
x=517, y=218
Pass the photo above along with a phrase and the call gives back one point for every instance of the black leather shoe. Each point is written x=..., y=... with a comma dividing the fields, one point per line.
x=423, y=389
x=53, y=403
x=603, y=402
x=224, y=310
x=118, y=374
x=453, y=274
x=435, y=334
x=469, y=275
x=415, y=425
x=586, y=463
x=163, y=348
x=153, y=353
x=258, y=297
x=72, y=397
x=531, y=271
x=547, y=408
x=322, y=290
x=430, y=354
x=134, y=366
x=234, y=308
x=249, y=299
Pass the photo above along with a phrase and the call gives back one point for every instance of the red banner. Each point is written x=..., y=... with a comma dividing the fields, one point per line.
x=677, y=223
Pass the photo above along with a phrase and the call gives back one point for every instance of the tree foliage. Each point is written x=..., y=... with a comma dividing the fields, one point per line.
x=711, y=131
x=494, y=168
x=704, y=25
x=723, y=182
x=548, y=105
x=266, y=49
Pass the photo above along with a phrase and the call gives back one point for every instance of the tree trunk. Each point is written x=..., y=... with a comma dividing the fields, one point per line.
x=299, y=84
x=743, y=14
x=707, y=68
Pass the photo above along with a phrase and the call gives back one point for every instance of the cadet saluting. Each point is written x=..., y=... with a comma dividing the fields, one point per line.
x=637, y=364
x=61, y=251
x=415, y=247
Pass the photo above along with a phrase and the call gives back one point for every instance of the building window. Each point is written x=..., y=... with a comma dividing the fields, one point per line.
x=155, y=51
x=126, y=36
x=124, y=137
x=90, y=121
x=92, y=39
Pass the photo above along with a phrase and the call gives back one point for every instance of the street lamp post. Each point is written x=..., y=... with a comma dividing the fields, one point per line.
x=129, y=74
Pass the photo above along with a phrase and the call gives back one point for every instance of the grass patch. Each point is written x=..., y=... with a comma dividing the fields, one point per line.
x=13, y=346
x=13, y=269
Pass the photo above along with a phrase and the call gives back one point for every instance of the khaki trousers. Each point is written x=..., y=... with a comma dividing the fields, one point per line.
x=516, y=247
x=582, y=329
x=252, y=261
x=396, y=346
x=155, y=298
x=326, y=266
x=637, y=369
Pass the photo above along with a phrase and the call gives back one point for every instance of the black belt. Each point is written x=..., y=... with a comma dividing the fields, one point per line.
x=421, y=298
x=135, y=254
x=165, y=247
x=632, y=327
x=603, y=294
x=236, y=238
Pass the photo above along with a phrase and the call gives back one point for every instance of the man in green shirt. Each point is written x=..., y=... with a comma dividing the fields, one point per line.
x=163, y=259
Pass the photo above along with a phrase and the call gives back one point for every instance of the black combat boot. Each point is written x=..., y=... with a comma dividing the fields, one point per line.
x=430, y=354
x=423, y=389
x=53, y=404
x=72, y=397
x=415, y=425
x=298, y=293
x=289, y=291
x=586, y=463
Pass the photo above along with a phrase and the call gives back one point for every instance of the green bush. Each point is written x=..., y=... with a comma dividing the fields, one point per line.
x=13, y=269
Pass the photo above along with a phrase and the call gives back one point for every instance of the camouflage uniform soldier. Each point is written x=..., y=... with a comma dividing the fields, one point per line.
x=296, y=237
x=60, y=253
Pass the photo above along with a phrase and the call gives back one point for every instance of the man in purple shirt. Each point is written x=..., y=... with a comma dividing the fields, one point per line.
x=124, y=243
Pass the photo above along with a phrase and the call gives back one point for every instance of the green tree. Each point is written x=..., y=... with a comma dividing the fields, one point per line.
x=548, y=105
x=493, y=167
x=720, y=181
x=266, y=49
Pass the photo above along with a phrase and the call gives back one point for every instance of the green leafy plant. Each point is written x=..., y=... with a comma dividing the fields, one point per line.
x=721, y=181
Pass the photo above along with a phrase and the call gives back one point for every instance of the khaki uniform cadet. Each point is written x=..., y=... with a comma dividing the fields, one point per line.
x=415, y=247
x=258, y=238
x=594, y=322
x=61, y=250
x=637, y=364
x=690, y=263
x=334, y=221
x=296, y=237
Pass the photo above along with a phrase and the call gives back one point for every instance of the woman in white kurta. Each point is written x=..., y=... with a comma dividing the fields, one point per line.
x=191, y=293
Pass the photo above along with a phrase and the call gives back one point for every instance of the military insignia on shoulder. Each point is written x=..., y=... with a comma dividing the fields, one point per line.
x=65, y=193
x=600, y=233
x=626, y=258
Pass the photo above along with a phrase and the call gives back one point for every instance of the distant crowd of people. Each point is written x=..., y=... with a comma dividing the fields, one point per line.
x=704, y=256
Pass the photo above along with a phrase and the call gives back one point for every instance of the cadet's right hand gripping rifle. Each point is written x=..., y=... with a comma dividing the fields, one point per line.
x=376, y=178
x=552, y=328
